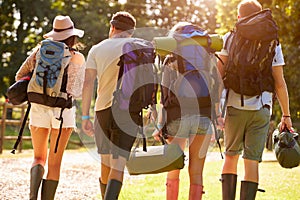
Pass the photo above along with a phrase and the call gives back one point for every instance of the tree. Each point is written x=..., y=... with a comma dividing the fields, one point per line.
x=20, y=24
x=165, y=14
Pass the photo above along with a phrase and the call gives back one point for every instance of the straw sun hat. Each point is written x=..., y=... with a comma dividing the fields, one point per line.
x=63, y=28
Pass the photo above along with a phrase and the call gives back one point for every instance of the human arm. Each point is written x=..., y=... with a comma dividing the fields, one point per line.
x=157, y=133
x=76, y=72
x=282, y=96
x=27, y=66
x=222, y=61
x=87, y=93
x=77, y=58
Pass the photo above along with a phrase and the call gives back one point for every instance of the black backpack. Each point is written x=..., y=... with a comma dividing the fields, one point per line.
x=251, y=46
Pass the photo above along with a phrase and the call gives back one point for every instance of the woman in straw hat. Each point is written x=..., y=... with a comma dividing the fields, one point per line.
x=43, y=122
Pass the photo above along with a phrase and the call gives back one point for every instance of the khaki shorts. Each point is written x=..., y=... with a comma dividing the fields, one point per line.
x=45, y=116
x=246, y=131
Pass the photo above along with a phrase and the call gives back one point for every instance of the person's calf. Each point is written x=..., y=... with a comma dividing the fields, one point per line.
x=172, y=189
x=196, y=192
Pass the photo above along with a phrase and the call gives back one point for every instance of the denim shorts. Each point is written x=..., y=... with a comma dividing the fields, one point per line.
x=190, y=124
x=246, y=131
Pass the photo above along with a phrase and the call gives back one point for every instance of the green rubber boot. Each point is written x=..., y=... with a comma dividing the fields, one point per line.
x=228, y=186
x=36, y=176
x=48, y=189
x=248, y=190
x=113, y=189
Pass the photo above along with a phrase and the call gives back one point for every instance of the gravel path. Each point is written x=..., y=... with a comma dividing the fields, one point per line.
x=79, y=175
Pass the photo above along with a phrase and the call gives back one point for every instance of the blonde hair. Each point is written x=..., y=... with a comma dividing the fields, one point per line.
x=248, y=7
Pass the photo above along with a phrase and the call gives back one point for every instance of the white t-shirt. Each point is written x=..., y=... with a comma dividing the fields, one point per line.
x=250, y=102
x=104, y=57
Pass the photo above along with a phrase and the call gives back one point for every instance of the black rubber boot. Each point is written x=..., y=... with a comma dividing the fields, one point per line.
x=48, y=189
x=113, y=189
x=36, y=176
x=228, y=186
x=248, y=190
x=102, y=188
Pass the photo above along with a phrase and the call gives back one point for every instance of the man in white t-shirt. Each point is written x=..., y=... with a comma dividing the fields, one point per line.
x=112, y=142
x=246, y=126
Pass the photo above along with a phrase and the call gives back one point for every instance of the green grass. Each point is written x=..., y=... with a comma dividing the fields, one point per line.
x=279, y=183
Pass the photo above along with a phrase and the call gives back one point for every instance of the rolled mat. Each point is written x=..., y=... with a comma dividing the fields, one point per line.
x=165, y=45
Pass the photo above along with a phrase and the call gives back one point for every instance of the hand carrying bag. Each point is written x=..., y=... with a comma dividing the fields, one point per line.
x=156, y=159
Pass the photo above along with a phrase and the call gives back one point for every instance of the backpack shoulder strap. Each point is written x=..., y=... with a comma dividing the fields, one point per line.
x=180, y=62
x=229, y=40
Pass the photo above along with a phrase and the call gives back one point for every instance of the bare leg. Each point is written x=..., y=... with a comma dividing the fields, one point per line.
x=54, y=160
x=197, y=154
x=40, y=144
x=251, y=170
x=230, y=164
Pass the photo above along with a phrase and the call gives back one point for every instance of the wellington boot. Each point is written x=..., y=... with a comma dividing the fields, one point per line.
x=172, y=189
x=228, y=186
x=102, y=188
x=196, y=192
x=49, y=189
x=248, y=190
x=113, y=189
x=36, y=176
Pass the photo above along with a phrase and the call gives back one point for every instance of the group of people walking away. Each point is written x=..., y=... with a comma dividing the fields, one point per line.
x=187, y=113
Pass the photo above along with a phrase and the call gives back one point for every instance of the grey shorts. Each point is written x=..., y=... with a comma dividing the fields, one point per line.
x=246, y=131
x=190, y=124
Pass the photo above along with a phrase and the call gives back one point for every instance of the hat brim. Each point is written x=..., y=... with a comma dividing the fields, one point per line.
x=64, y=34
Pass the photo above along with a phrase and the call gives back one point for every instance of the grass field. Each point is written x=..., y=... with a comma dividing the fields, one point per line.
x=279, y=183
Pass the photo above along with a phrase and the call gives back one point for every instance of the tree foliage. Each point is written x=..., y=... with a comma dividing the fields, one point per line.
x=21, y=23
x=287, y=15
x=165, y=14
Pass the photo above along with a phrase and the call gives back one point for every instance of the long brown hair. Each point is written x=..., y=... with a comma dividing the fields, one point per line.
x=73, y=43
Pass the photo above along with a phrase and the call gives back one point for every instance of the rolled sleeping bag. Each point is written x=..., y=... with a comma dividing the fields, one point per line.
x=166, y=45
